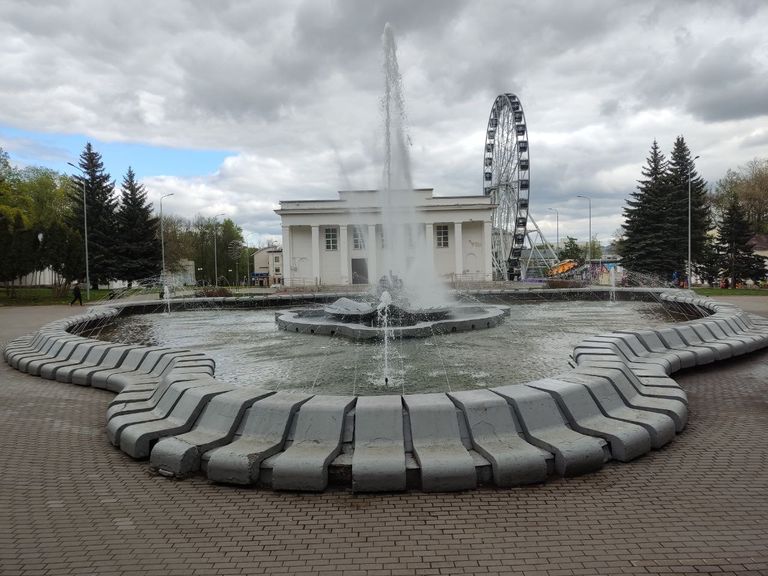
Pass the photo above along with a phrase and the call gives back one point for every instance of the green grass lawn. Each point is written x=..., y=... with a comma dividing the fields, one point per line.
x=731, y=292
x=43, y=296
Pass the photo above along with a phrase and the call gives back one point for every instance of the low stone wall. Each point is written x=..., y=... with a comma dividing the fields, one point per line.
x=618, y=402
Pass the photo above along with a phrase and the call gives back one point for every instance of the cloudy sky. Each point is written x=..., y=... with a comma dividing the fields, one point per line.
x=236, y=105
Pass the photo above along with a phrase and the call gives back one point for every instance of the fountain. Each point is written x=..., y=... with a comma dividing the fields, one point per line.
x=410, y=301
x=617, y=401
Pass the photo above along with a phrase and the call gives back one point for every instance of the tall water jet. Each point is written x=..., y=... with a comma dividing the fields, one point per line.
x=407, y=252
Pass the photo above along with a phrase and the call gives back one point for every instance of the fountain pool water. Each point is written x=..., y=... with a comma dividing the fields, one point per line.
x=251, y=349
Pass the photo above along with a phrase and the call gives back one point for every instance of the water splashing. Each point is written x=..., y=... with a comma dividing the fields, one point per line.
x=407, y=250
x=383, y=312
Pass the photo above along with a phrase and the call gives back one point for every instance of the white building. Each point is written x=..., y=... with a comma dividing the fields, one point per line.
x=337, y=242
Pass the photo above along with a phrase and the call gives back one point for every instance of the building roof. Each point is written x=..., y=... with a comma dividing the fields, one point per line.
x=370, y=201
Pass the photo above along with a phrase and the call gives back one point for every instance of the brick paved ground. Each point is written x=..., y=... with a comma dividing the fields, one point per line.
x=72, y=504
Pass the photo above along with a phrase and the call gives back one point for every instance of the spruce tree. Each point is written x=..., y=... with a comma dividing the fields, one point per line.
x=572, y=251
x=138, y=245
x=101, y=205
x=680, y=168
x=739, y=259
x=646, y=227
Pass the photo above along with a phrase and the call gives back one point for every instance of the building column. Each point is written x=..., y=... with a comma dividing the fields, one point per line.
x=429, y=238
x=458, y=240
x=487, y=256
x=316, y=254
x=344, y=254
x=286, y=267
x=373, y=276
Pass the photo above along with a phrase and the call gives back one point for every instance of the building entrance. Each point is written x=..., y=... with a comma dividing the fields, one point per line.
x=359, y=271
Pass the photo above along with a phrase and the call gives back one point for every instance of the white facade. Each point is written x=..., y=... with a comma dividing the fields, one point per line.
x=339, y=242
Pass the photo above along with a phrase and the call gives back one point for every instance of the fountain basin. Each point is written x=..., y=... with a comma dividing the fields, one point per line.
x=439, y=321
x=618, y=402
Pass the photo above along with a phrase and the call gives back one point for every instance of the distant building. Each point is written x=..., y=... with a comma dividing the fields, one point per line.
x=339, y=242
x=267, y=266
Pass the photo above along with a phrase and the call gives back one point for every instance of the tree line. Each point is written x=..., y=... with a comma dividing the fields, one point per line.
x=671, y=196
x=43, y=217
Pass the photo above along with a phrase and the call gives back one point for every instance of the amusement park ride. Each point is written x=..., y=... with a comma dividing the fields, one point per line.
x=506, y=178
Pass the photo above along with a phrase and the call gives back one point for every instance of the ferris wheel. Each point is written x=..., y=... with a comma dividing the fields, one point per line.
x=506, y=179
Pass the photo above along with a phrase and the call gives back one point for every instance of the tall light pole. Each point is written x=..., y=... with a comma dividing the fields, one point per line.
x=215, y=254
x=690, y=168
x=162, y=237
x=85, y=234
x=589, y=244
x=557, y=224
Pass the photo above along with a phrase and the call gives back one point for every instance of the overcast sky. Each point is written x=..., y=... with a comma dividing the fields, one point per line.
x=236, y=105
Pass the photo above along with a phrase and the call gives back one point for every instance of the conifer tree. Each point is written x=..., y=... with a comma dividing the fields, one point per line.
x=646, y=227
x=101, y=205
x=739, y=259
x=572, y=251
x=138, y=245
x=680, y=163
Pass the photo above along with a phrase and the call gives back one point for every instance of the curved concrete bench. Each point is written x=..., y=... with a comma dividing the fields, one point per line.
x=444, y=462
x=497, y=436
x=317, y=441
x=544, y=426
x=180, y=455
x=262, y=434
x=618, y=402
x=378, y=461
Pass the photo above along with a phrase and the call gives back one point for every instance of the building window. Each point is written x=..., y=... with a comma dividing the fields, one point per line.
x=441, y=232
x=277, y=259
x=331, y=239
x=358, y=240
x=277, y=269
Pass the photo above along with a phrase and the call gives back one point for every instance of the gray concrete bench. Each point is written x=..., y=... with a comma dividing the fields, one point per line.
x=154, y=409
x=48, y=370
x=180, y=455
x=544, y=426
x=140, y=360
x=47, y=351
x=445, y=464
x=650, y=342
x=660, y=427
x=674, y=408
x=62, y=352
x=114, y=359
x=632, y=355
x=262, y=434
x=143, y=379
x=378, y=461
x=95, y=357
x=497, y=437
x=671, y=339
x=137, y=439
x=317, y=441
x=690, y=335
x=627, y=440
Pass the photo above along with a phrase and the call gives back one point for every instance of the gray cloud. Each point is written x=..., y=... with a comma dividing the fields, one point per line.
x=294, y=87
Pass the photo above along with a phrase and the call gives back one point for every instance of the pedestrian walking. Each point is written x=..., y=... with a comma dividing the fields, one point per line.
x=77, y=296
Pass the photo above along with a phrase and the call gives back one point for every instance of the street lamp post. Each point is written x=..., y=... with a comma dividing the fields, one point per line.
x=215, y=254
x=557, y=224
x=85, y=234
x=162, y=237
x=690, y=167
x=589, y=243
